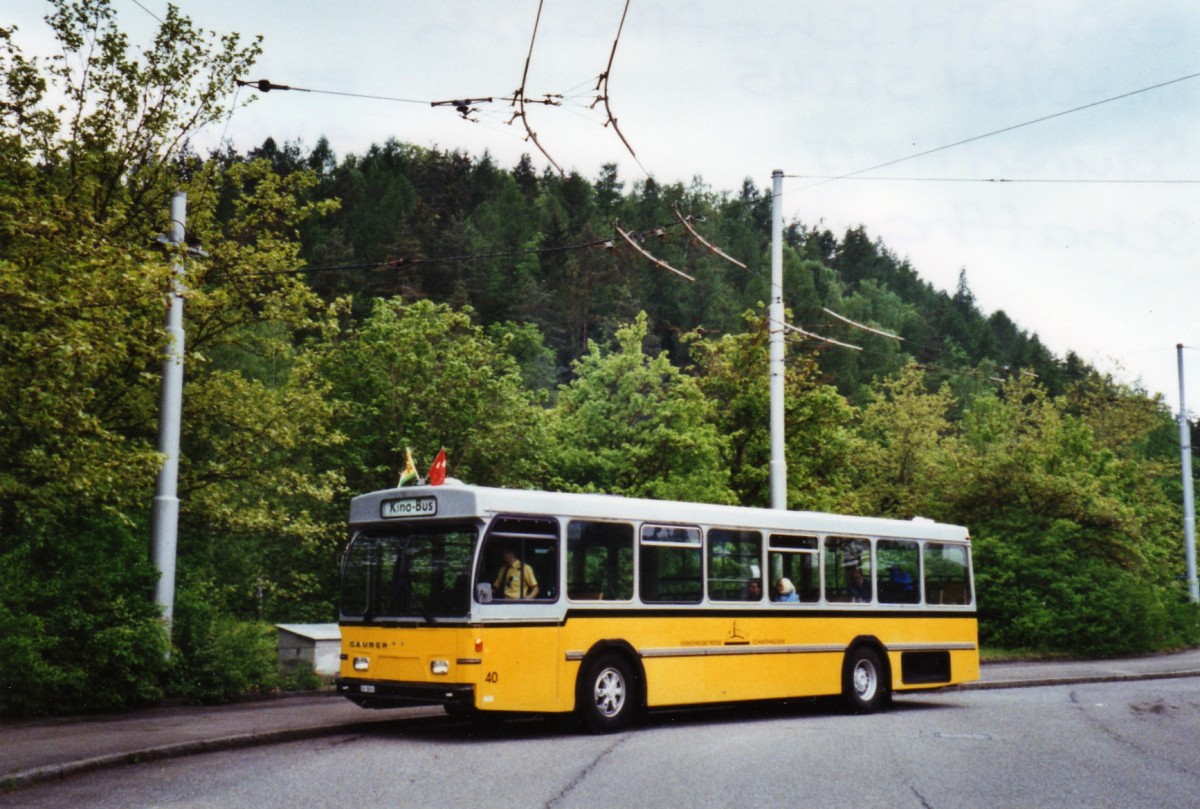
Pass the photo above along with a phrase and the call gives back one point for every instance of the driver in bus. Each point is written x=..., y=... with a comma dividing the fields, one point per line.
x=515, y=579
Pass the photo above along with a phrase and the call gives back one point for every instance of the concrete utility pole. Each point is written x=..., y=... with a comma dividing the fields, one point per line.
x=1189, y=507
x=776, y=317
x=165, y=513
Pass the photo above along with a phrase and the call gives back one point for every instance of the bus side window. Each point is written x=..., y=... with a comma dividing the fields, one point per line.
x=599, y=561
x=947, y=575
x=734, y=565
x=671, y=565
x=848, y=569
x=899, y=571
x=794, y=557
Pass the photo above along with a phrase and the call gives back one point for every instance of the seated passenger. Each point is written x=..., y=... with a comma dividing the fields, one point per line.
x=785, y=591
x=860, y=588
x=901, y=585
x=754, y=590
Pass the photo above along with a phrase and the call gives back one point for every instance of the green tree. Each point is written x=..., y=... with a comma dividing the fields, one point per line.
x=83, y=193
x=909, y=447
x=634, y=424
x=820, y=443
x=423, y=376
x=1064, y=530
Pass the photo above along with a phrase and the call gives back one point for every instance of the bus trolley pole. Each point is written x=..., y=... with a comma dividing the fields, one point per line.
x=1189, y=508
x=777, y=369
x=165, y=512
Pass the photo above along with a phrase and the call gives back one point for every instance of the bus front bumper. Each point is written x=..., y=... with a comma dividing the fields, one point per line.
x=385, y=694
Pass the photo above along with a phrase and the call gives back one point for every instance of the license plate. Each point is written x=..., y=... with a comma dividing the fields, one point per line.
x=367, y=689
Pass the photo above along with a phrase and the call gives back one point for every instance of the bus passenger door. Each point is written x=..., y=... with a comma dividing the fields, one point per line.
x=520, y=655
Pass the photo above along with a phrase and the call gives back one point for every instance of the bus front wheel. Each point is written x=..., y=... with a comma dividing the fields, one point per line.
x=864, y=684
x=606, y=698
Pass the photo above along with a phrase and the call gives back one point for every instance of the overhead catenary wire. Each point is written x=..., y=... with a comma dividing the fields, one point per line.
x=1005, y=129
x=1002, y=180
x=266, y=86
x=467, y=107
x=148, y=11
x=404, y=262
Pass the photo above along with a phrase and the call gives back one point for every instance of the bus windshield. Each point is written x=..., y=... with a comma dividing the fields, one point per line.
x=412, y=572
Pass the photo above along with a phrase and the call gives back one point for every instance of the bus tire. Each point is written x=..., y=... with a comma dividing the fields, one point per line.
x=865, y=686
x=607, y=698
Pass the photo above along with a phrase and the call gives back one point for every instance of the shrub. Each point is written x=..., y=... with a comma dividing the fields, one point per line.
x=78, y=629
x=219, y=658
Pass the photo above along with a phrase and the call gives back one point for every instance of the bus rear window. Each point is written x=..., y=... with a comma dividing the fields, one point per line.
x=947, y=574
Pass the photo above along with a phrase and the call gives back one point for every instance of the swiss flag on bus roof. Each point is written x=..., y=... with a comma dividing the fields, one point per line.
x=437, y=472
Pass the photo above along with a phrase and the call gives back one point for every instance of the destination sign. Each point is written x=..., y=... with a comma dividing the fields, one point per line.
x=408, y=507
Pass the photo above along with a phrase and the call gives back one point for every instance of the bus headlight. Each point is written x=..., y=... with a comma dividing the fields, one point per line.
x=440, y=666
x=362, y=663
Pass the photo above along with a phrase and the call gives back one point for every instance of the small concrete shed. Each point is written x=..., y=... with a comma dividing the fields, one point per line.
x=316, y=644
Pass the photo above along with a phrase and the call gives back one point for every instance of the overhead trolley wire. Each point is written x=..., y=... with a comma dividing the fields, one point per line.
x=266, y=86
x=1003, y=130
x=148, y=11
x=999, y=180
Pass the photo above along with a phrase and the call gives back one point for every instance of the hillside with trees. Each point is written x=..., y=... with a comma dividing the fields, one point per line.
x=350, y=307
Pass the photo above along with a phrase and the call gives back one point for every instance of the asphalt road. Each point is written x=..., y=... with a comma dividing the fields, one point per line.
x=50, y=750
x=1128, y=743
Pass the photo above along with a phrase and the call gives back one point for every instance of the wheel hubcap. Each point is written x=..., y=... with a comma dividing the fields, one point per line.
x=610, y=692
x=865, y=680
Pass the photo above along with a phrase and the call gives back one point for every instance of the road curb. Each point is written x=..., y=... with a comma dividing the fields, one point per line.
x=57, y=772
x=980, y=685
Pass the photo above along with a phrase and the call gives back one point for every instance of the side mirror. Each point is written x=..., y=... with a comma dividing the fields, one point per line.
x=483, y=593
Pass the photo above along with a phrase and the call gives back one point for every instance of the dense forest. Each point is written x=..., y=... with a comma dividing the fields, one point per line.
x=346, y=308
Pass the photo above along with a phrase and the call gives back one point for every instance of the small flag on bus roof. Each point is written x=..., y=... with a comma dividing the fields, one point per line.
x=410, y=469
x=437, y=472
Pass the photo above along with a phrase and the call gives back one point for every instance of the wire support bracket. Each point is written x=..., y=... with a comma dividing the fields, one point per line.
x=712, y=248
x=657, y=261
x=813, y=336
x=862, y=326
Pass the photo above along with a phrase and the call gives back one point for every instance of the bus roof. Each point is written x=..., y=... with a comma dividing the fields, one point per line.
x=460, y=501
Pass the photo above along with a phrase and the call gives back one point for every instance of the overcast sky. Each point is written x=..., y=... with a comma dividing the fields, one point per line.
x=1094, y=246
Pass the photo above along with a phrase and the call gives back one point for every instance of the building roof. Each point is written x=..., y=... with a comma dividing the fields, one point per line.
x=313, y=631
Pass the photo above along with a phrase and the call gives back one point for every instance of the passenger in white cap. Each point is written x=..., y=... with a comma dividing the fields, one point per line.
x=785, y=591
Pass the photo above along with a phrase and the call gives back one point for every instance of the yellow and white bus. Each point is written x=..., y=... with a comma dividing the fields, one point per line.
x=486, y=599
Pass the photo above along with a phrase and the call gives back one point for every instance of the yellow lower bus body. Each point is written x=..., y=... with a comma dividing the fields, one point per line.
x=676, y=660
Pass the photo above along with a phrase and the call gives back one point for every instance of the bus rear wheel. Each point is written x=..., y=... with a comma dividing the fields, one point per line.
x=864, y=684
x=607, y=699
